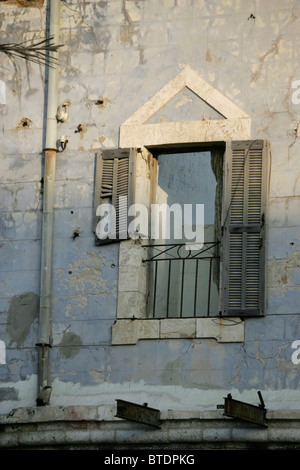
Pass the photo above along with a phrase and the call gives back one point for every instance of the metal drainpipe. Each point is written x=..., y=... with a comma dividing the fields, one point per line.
x=44, y=388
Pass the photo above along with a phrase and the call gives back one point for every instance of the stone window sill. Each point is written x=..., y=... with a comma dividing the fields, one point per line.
x=229, y=330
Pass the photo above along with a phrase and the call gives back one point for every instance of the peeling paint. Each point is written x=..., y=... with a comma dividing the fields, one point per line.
x=131, y=11
x=281, y=272
x=86, y=274
x=184, y=99
x=97, y=376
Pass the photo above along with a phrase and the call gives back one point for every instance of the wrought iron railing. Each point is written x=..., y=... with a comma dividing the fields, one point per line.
x=184, y=281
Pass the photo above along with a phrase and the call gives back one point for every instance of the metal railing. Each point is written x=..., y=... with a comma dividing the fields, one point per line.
x=184, y=282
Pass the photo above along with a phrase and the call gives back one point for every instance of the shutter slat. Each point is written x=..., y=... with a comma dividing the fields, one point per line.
x=243, y=250
x=115, y=172
x=107, y=179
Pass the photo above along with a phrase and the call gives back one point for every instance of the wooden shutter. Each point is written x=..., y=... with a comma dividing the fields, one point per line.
x=243, y=259
x=115, y=185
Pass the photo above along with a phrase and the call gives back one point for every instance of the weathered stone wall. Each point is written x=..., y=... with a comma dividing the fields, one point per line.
x=96, y=428
x=117, y=54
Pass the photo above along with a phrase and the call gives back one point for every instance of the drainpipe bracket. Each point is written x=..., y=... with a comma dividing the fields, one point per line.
x=46, y=345
x=50, y=150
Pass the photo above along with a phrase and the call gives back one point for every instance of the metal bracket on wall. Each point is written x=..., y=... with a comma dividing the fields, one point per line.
x=138, y=413
x=245, y=411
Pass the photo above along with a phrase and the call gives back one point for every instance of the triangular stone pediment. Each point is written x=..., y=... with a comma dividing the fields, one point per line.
x=187, y=109
x=187, y=78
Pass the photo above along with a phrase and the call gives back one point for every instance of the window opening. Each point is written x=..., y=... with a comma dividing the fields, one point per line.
x=185, y=282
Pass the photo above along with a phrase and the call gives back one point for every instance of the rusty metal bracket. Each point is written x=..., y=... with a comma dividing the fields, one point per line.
x=138, y=413
x=245, y=411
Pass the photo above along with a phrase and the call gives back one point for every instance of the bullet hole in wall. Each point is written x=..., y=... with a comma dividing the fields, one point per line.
x=76, y=234
x=81, y=129
x=101, y=102
x=25, y=123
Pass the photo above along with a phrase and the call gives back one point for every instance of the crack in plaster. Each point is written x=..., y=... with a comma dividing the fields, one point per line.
x=272, y=51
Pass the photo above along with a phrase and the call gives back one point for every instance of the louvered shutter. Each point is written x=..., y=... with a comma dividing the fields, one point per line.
x=115, y=187
x=243, y=259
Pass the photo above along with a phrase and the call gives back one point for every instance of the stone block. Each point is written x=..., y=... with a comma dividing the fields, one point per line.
x=284, y=183
x=26, y=255
x=131, y=331
x=125, y=332
x=21, y=169
x=6, y=255
x=178, y=328
x=73, y=194
x=28, y=140
x=183, y=434
x=132, y=280
x=243, y=433
x=222, y=329
x=12, y=283
x=293, y=212
x=100, y=306
x=283, y=301
x=282, y=242
x=131, y=305
x=148, y=329
x=265, y=329
x=131, y=253
x=277, y=212
x=96, y=332
x=144, y=434
x=99, y=436
x=297, y=277
x=217, y=433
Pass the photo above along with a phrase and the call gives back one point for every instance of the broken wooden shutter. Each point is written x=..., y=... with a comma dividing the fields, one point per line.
x=114, y=187
x=246, y=185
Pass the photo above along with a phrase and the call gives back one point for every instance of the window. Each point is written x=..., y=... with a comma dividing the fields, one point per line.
x=184, y=274
x=228, y=280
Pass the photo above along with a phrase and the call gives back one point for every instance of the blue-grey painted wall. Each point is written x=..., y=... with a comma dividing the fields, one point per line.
x=122, y=52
